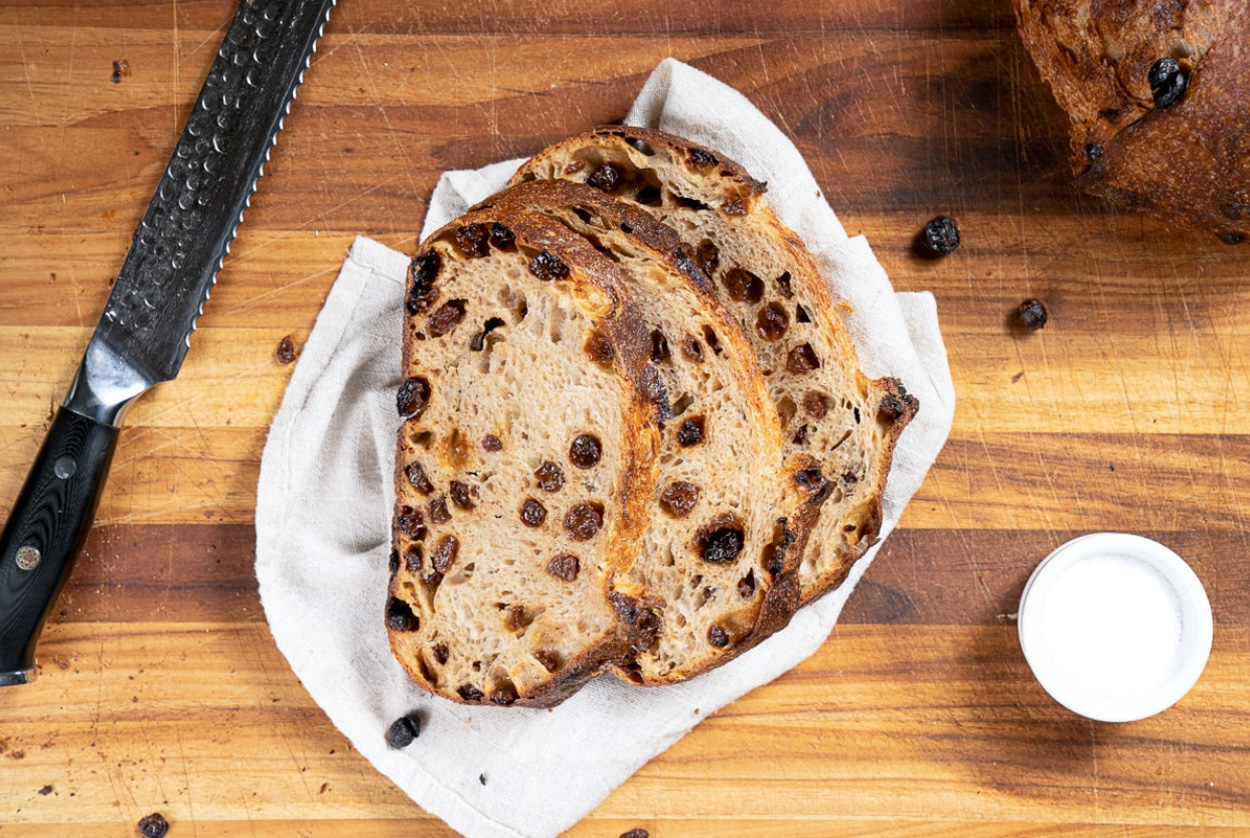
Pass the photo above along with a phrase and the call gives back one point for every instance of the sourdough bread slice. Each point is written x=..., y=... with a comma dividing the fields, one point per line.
x=526, y=463
x=731, y=510
x=766, y=277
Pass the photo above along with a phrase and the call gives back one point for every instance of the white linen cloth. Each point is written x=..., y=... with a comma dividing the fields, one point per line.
x=325, y=496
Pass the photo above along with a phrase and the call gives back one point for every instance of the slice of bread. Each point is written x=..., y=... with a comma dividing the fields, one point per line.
x=526, y=463
x=732, y=510
x=765, y=276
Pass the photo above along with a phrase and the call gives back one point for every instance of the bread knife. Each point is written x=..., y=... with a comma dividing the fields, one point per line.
x=143, y=336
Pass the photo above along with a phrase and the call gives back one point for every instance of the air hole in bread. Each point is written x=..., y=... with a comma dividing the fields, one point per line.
x=640, y=145
x=427, y=671
x=690, y=203
x=503, y=693
x=713, y=342
x=423, y=439
x=746, y=585
x=399, y=616
x=649, y=196
x=659, y=347
x=683, y=404
x=786, y=408
x=463, y=575
x=479, y=340
x=582, y=214
x=801, y=314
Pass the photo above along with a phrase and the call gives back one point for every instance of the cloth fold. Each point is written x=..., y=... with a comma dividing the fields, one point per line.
x=324, y=501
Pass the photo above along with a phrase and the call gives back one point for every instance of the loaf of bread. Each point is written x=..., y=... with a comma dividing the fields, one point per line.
x=1157, y=97
x=768, y=280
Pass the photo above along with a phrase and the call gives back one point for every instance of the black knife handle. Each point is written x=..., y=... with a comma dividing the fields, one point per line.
x=45, y=533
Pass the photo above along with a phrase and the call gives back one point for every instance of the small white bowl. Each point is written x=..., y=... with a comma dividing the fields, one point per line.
x=1116, y=627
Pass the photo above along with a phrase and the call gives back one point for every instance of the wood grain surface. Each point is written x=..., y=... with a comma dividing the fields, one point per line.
x=160, y=687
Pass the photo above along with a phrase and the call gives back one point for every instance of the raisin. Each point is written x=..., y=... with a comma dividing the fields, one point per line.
x=636, y=833
x=659, y=347
x=399, y=616
x=447, y=317
x=718, y=637
x=533, y=513
x=413, y=557
x=411, y=523
x=564, y=566
x=547, y=266
x=734, y=207
x=941, y=235
x=816, y=404
x=583, y=521
x=800, y=436
x=679, y=498
x=285, y=353
x=606, y=178
x=417, y=477
x=438, y=510
x=492, y=443
x=774, y=553
x=742, y=285
x=849, y=477
x=585, y=451
x=501, y=237
x=700, y=159
x=1093, y=151
x=412, y=398
x=550, y=660
x=691, y=432
x=403, y=731
x=802, y=359
x=516, y=618
x=722, y=545
x=895, y=405
x=470, y=693
x=692, y=350
x=772, y=322
x=445, y=553
x=1167, y=82
x=814, y=482
x=783, y=285
x=441, y=652
x=473, y=240
x=1232, y=237
x=422, y=291
x=599, y=349
x=550, y=477
x=502, y=696
x=746, y=585
x=1031, y=314
x=460, y=495
x=153, y=826
x=708, y=255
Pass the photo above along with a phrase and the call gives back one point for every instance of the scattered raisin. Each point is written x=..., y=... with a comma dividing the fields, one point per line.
x=772, y=322
x=849, y=477
x=438, y=510
x=734, y=207
x=742, y=285
x=1232, y=237
x=746, y=585
x=941, y=235
x=411, y=523
x=492, y=443
x=153, y=826
x=470, y=693
x=550, y=477
x=895, y=405
x=285, y=353
x=413, y=557
x=441, y=652
x=447, y=317
x=413, y=396
x=399, y=616
x=679, y=498
x=708, y=255
x=564, y=566
x=659, y=347
x=502, y=696
x=501, y=237
x=802, y=359
x=636, y=833
x=606, y=178
x=800, y=436
x=550, y=660
x=585, y=451
x=816, y=404
x=700, y=159
x=1093, y=151
x=422, y=291
x=515, y=618
x=722, y=545
x=718, y=637
x=692, y=350
x=547, y=266
x=445, y=553
x=417, y=477
x=533, y=513
x=460, y=495
x=691, y=432
x=583, y=521
x=1031, y=314
x=473, y=240
x=783, y=285
x=599, y=349
x=1167, y=82
x=403, y=731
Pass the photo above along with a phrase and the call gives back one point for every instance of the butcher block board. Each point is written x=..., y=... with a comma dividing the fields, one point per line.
x=160, y=688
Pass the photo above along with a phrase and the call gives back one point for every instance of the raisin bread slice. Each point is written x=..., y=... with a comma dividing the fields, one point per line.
x=766, y=277
x=731, y=510
x=526, y=463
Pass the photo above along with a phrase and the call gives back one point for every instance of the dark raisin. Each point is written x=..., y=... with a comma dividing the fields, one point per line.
x=941, y=235
x=473, y=240
x=411, y=523
x=417, y=477
x=399, y=616
x=800, y=436
x=606, y=178
x=441, y=652
x=679, y=498
x=550, y=660
x=783, y=285
x=470, y=693
x=447, y=317
x=403, y=731
x=1093, y=151
x=801, y=314
x=692, y=350
x=492, y=443
x=583, y=521
x=855, y=410
x=722, y=545
x=438, y=510
x=503, y=696
x=691, y=431
x=413, y=396
x=585, y=451
x=774, y=553
x=550, y=477
x=422, y=273
x=746, y=585
x=636, y=833
x=894, y=405
x=1031, y=314
x=153, y=826
x=742, y=285
x=659, y=347
x=285, y=353
x=516, y=618
x=533, y=513
x=445, y=553
x=501, y=237
x=802, y=359
x=816, y=404
x=718, y=637
x=708, y=255
x=547, y=266
x=478, y=343
x=564, y=566
x=599, y=349
x=700, y=159
x=734, y=207
x=1232, y=237
x=1167, y=82
x=460, y=495
x=772, y=322
x=413, y=557
x=810, y=479
x=849, y=477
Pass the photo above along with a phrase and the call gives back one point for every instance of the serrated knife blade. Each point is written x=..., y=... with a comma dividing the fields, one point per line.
x=143, y=336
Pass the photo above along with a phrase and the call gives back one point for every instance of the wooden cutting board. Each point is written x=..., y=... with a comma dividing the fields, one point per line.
x=160, y=688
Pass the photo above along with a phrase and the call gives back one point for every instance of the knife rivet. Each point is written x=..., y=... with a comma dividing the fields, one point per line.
x=28, y=557
x=64, y=468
